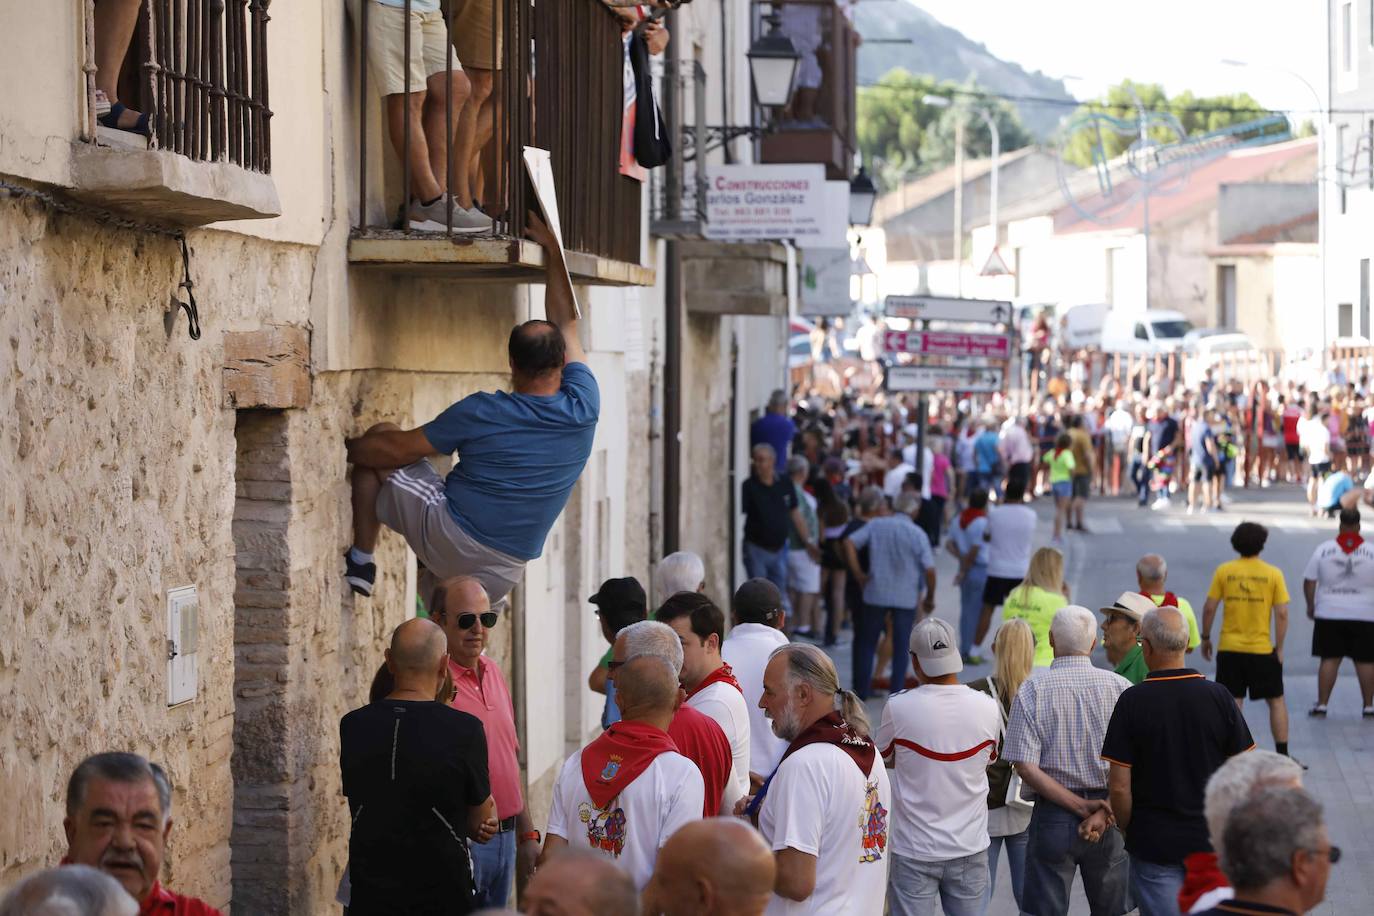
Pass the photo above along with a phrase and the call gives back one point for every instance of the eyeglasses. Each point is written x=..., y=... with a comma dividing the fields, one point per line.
x=613, y=664
x=1334, y=854
x=488, y=618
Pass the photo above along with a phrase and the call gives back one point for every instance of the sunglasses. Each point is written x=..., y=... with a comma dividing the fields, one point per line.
x=488, y=618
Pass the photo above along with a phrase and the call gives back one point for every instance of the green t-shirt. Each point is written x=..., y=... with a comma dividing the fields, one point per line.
x=607, y=658
x=1035, y=606
x=1061, y=465
x=1133, y=667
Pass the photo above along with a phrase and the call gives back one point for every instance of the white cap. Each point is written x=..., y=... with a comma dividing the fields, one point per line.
x=936, y=647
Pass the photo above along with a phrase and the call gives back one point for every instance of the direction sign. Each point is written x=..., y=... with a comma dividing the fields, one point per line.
x=944, y=378
x=947, y=308
x=948, y=343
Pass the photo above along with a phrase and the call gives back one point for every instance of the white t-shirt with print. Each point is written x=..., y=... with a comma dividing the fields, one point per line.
x=746, y=650
x=940, y=810
x=1010, y=531
x=1345, y=581
x=725, y=704
x=820, y=803
x=1314, y=436
x=637, y=822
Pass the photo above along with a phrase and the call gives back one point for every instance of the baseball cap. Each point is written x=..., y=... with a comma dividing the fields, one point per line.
x=936, y=647
x=757, y=600
x=1131, y=604
x=619, y=593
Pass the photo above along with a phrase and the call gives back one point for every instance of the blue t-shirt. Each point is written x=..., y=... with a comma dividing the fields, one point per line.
x=1333, y=488
x=776, y=430
x=518, y=458
x=1201, y=433
x=985, y=453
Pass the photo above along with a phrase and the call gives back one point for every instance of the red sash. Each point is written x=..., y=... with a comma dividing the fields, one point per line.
x=723, y=674
x=832, y=729
x=1201, y=875
x=1170, y=599
x=969, y=516
x=614, y=760
x=1349, y=541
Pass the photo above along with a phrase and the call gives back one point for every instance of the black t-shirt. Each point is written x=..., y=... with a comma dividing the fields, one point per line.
x=768, y=511
x=1174, y=730
x=411, y=770
x=1162, y=434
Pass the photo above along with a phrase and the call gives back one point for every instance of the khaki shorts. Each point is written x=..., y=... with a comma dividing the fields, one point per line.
x=413, y=503
x=472, y=34
x=386, y=47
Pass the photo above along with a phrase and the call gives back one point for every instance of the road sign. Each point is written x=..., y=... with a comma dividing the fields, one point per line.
x=944, y=378
x=996, y=266
x=948, y=343
x=947, y=308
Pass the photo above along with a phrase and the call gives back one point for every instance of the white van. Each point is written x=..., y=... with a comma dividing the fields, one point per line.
x=1152, y=331
x=1080, y=326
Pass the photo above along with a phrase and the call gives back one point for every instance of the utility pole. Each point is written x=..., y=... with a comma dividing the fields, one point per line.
x=958, y=207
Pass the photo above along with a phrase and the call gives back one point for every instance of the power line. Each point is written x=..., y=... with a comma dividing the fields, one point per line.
x=1098, y=104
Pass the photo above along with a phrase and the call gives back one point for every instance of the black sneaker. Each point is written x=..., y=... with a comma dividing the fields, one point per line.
x=359, y=576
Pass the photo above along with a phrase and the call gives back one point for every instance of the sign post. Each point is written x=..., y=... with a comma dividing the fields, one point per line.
x=948, y=343
x=980, y=379
x=948, y=308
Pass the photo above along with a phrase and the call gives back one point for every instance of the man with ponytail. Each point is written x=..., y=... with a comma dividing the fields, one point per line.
x=824, y=810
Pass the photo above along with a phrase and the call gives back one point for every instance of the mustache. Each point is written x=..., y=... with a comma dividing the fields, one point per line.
x=126, y=858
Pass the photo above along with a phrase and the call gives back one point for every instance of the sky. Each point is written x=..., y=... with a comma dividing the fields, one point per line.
x=1178, y=43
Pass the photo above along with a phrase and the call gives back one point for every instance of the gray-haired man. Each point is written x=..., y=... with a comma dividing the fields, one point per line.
x=1276, y=853
x=67, y=890
x=119, y=815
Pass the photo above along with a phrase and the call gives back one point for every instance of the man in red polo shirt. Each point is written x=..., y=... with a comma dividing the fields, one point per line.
x=119, y=815
x=461, y=608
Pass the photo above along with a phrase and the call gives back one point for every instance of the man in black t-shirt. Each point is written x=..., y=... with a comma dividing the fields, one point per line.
x=1164, y=441
x=769, y=504
x=1166, y=737
x=415, y=774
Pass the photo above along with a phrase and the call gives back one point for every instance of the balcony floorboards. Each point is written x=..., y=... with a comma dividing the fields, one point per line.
x=490, y=259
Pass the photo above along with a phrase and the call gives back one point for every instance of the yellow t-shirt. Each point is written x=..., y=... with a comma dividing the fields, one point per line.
x=1035, y=606
x=1082, y=451
x=1248, y=589
x=1061, y=465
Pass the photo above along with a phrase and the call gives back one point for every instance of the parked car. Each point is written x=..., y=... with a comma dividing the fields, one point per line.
x=1191, y=339
x=1151, y=331
x=1230, y=354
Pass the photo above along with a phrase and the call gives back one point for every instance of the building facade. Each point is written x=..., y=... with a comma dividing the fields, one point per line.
x=1348, y=171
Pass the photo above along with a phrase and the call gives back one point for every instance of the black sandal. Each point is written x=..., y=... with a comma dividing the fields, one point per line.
x=111, y=119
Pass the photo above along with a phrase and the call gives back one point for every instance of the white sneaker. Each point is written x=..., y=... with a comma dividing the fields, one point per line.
x=1161, y=503
x=1190, y=510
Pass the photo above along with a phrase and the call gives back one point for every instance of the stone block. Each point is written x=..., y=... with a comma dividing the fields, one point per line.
x=268, y=368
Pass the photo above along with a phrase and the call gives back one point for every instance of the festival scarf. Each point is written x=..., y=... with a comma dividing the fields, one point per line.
x=829, y=729
x=1349, y=541
x=1170, y=599
x=723, y=674
x=1201, y=874
x=1058, y=452
x=614, y=760
x=969, y=516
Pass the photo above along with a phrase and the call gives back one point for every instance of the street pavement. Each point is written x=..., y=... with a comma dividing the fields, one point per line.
x=1101, y=564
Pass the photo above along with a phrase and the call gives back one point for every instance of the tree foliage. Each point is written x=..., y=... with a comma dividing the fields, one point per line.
x=902, y=136
x=1196, y=116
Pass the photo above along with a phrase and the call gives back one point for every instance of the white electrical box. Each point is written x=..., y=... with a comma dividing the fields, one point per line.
x=183, y=637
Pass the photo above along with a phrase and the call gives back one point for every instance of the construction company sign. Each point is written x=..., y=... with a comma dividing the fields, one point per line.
x=757, y=202
x=947, y=343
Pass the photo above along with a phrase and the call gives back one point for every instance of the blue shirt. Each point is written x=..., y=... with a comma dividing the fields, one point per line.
x=518, y=458
x=1333, y=488
x=898, y=556
x=965, y=539
x=416, y=6
x=776, y=430
x=985, y=454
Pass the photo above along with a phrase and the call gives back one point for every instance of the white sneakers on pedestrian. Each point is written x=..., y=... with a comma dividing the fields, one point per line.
x=1160, y=503
x=432, y=217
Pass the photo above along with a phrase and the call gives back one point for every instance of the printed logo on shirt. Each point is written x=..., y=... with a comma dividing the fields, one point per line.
x=605, y=827
x=873, y=823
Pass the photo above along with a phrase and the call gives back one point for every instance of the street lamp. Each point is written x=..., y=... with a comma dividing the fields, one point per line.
x=863, y=193
x=773, y=62
x=1322, y=115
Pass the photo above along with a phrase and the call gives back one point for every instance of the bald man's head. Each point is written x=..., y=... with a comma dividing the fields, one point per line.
x=577, y=882
x=646, y=685
x=714, y=867
x=458, y=594
x=416, y=646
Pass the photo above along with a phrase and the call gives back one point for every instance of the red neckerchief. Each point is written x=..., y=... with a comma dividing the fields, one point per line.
x=1201, y=875
x=1349, y=541
x=1058, y=452
x=614, y=760
x=723, y=674
x=1170, y=599
x=968, y=516
x=833, y=729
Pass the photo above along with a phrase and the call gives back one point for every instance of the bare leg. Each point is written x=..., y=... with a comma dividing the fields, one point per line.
x=1326, y=678
x=488, y=154
x=367, y=483
x=423, y=184
x=467, y=144
x=1278, y=719
x=115, y=21
x=441, y=93
x=1365, y=672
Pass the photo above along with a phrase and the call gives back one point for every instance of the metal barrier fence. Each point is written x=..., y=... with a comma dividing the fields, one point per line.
x=199, y=70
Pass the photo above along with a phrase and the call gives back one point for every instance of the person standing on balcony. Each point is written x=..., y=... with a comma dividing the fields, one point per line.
x=114, y=24
x=425, y=83
x=519, y=454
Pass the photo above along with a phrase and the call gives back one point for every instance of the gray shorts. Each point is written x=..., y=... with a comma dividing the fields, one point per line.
x=412, y=502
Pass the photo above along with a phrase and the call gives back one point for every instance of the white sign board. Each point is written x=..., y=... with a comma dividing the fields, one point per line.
x=948, y=343
x=540, y=168
x=944, y=378
x=947, y=308
x=752, y=202
x=835, y=225
x=825, y=276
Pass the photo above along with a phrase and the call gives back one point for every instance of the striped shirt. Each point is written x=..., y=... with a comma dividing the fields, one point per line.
x=898, y=556
x=1058, y=721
